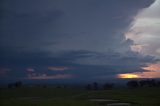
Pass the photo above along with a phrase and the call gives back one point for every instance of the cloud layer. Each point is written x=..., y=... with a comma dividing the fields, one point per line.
x=55, y=39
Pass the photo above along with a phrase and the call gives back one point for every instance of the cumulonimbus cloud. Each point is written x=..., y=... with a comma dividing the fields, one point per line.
x=145, y=30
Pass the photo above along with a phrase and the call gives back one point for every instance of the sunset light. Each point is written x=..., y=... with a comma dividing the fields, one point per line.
x=127, y=75
x=152, y=67
x=151, y=71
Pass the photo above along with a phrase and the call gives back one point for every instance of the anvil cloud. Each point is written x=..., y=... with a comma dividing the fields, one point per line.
x=83, y=38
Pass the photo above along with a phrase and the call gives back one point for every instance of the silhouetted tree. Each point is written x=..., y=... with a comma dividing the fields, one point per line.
x=95, y=86
x=132, y=84
x=88, y=87
x=64, y=86
x=143, y=83
x=18, y=84
x=58, y=86
x=158, y=83
x=152, y=83
x=148, y=83
x=10, y=85
x=108, y=86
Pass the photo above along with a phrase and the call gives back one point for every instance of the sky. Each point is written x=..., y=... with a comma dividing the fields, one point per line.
x=79, y=40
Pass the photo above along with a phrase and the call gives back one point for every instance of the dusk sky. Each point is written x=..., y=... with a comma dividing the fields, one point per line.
x=79, y=40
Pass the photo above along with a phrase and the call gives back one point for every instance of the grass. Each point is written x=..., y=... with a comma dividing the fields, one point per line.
x=38, y=96
x=62, y=102
x=38, y=92
x=138, y=96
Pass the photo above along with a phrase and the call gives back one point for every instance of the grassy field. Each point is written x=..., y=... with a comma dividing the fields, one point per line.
x=38, y=96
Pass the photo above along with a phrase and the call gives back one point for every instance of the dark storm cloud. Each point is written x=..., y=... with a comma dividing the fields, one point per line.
x=23, y=25
x=31, y=25
x=87, y=35
x=46, y=16
x=80, y=64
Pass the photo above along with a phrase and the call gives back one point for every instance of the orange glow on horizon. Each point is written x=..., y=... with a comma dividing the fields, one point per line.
x=152, y=71
x=128, y=75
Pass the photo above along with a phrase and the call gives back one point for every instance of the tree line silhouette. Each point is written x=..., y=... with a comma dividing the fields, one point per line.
x=15, y=85
x=143, y=83
x=129, y=84
x=96, y=86
x=107, y=86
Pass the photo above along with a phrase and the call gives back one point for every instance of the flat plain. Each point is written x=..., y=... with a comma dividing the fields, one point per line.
x=51, y=96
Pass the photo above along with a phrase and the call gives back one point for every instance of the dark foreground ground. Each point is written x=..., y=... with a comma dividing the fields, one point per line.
x=37, y=96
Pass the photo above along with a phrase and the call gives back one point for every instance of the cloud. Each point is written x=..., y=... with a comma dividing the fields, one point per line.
x=152, y=71
x=47, y=77
x=33, y=16
x=4, y=71
x=85, y=65
x=61, y=35
x=150, y=74
x=152, y=67
x=145, y=30
x=30, y=69
x=59, y=68
x=115, y=58
x=25, y=26
x=56, y=26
